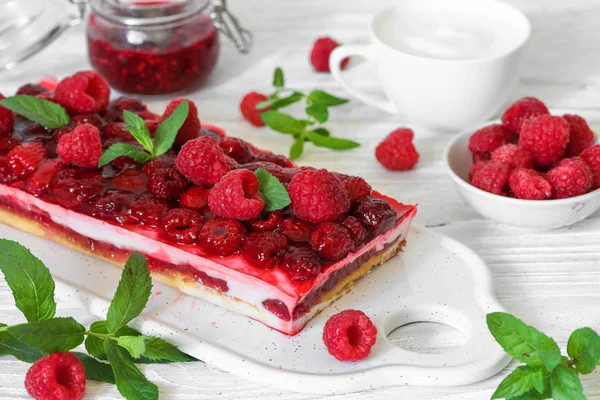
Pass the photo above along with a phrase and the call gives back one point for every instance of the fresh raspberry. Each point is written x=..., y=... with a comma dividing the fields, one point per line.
x=276, y=170
x=481, y=157
x=570, y=177
x=195, y=197
x=513, y=155
x=24, y=159
x=202, y=161
x=191, y=127
x=319, y=55
x=117, y=130
x=278, y=159
x=301, y=263
x=73, y=187
x=31, y=89
x=167, y=183
x=376, y=214
x=476, y=167
x=277, y=308
x=128, y=103
x=546, y=137
x=529, y=184
x=182, y=225
x=296, y=229
x=84, y=92
x=581, y=136
x=236, y=148
x=492, y=177
x=397, y=152
x=591, y=156
x=349, y=335
x=148, y=209
x=153, y=119
x=269, y=222
x=521, y=110
x=7, y=176
x=59, y=376
x=81, y=147
x=248, y=108
x=357, y=230
x=8, y=143
x=488, y=139
x=131, y=179
x=7, y=120
x=39, y=182
x=166, y=160
x=109, y=205
x=318, y=195
x=236, y=196
x=49, y=82
x=221, y=236
x=264, y=250
x=331, y=240
x=92, y=119
x=357, y=189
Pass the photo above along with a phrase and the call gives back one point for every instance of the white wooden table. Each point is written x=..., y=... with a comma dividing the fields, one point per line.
x=550, y=280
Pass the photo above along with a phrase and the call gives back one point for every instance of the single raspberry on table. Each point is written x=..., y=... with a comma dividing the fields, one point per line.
x=31, y=89
x=268, y=221
x=301, y=263
x=84, y=92
x=248, y=108
x=221, y=236
x=237, y=149
x=7, y=120
x=236, y=196
x=7, y=176
x=24, y=159
x=513, y=155
x=191, y=127
x=349, y=335
x=277, y=308
x=296, y=229
x=39, y=182
x=166, y=160
x=81, y=147
x=376, y=214
x=581, y=136
x=357, y=230
x=59, y=376
x=521, y=110
x=570, y=177
x=397, y=151
x=317, y=196
x=488, y=139
x=492, y=177
x=528, y=184
x=321, y=50
x=182, y=225
x=167, y=183
x=476, y=167
x=73, y=187
x=331, y=240
x=591, y=156
x=546, y=137
x=264, y=250
x=357, y=188
x=148, y=209
x=195, y=197
x=202, y=161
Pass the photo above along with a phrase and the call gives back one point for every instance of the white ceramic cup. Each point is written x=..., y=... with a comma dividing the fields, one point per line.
x=449, y=94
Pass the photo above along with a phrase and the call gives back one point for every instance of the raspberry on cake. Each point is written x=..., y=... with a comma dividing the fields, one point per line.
x=198, y=212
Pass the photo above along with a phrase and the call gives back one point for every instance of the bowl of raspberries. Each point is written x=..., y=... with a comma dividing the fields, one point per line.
x=531, y=169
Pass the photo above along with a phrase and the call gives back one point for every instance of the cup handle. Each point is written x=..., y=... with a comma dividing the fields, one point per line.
x=366, y=51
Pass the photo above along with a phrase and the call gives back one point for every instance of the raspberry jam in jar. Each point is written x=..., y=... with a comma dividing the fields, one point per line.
x=158, y=47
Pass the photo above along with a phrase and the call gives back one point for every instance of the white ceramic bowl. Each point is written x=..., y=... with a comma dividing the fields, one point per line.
x=537, y=215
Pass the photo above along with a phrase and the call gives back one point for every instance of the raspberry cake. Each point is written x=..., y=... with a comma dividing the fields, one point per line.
x=196, y=212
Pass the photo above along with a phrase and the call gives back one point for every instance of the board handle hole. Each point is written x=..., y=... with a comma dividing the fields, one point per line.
x=427, y=337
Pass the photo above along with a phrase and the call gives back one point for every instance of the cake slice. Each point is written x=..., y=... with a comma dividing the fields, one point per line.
x=279, y=267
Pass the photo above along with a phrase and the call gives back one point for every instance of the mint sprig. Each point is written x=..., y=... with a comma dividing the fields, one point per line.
x=546, y=373
x=44, y=112
x=111, y=339
x=164, y=137
x=308, y=129
x=273, y=192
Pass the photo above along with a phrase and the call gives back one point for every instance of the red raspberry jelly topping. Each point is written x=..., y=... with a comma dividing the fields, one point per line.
x=357, y=230
x=376, y=214
x=237, y=149
x=202, y=161
x=24, y=159
x=181, y=225
x=236, y=196
x=110, y=204
x=57, y=376
x=357, y=188
x=195, y=197
x=74, y=187
x=131, y=179
x=301, y=263
x=332, y=241
x=81, y=147
x=167, y=183
x=349, y=335
x=221, y=236
x=84, y=92
x=39, y=182
x=264, y=249
x=7, y=176
x=296, y=229
x=148, y=209
x=269, y=222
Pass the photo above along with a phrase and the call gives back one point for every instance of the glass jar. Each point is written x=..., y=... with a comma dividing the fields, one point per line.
x=161, y=46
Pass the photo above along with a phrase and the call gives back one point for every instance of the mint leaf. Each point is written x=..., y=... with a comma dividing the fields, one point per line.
x=278, y=78
x=96, y=370
x=321, y=131
x=95, y=345
x=49, y=336
x=3, y=333
x=29, y=280
x=138, y=129
x=132, y=293
x=331, y=142
x=297, y=148
x=158, y=349
x=523, y=342
x=276, y=103
x=328, y=100
x=44, y=112
x=168, y=129
x=19, y=350
x=123, y=149
x=519, y=382
x=565, y=384
x=132, y=384
x=318, y=111
x=135, y=345
x=273, y=192
x=283, y=123
x=584, y=349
